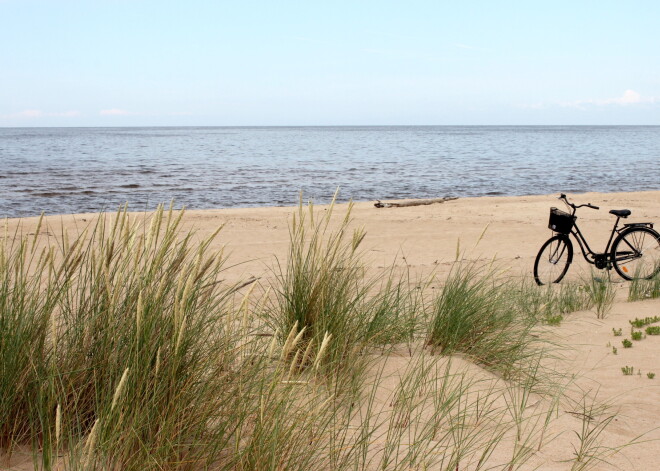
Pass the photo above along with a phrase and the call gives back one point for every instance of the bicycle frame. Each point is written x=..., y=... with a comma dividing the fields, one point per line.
x=589, y=255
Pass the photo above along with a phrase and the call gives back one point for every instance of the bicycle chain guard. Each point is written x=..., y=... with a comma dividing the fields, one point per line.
x=601, y=261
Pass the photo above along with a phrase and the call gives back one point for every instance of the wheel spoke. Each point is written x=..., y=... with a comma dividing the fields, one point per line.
x=643, y=258
x=552, y=261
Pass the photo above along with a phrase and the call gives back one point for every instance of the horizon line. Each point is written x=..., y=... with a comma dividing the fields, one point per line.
x=321, y=126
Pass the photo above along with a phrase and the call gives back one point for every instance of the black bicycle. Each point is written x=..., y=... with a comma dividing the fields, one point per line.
x=634, y=254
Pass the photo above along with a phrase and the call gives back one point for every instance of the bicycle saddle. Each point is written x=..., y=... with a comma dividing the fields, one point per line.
x=622, y=213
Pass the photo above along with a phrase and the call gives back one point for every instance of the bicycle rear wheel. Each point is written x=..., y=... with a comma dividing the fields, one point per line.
x=636, y=253
x=553, y=260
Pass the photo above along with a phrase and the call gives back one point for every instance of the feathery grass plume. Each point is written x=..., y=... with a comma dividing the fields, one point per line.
x=180, y=334
x=58, y=425
x=90, y=443
x=119, y=389
x=286, y=348
x=294, y=365
x=297, y=339
x=273, y=343
x=53, y=333
x=324, y=345
x=157, y=366
x=138, y=315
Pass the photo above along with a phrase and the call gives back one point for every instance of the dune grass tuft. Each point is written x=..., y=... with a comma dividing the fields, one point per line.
x=602, y=294
x=323, y=291
x=479, y=314
x=110, y=344
x=641, y=288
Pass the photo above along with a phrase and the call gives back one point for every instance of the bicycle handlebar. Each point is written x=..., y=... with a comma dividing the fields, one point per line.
x=588, y=205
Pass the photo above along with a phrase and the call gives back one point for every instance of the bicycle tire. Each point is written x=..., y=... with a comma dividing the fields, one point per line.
x=553, y=260
x=636, y=253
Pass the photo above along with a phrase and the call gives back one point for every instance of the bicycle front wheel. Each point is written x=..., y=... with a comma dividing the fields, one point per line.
x=636, y=253
x=553, y=260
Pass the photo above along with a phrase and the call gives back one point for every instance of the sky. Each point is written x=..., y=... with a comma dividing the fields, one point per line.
x=279, y=63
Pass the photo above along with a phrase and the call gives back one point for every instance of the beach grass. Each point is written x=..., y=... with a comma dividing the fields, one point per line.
x=484, y=315
x=641, y=288
x=121, y=348
x=602, y=294
x=323, y=293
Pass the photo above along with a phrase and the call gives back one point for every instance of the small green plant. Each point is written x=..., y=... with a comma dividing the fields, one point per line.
x=637, y=335
x=639, y=323
x=572, y=297
x=650, y=375
x=614, y=350
x=626, y=343
x=602, y=294
x=653, y=330
x=617, y=332
x=627, y=370
x=554, y=319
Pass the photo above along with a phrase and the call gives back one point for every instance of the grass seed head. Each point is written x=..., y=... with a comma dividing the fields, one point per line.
x=292, y=334
x=90, y=444
x=324, y=345
x=138, y=315
x=58, y=425
x=273, y=342
x=119, y=389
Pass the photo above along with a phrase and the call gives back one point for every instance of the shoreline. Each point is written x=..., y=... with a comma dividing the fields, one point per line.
x=422, y=239
x=293, y=206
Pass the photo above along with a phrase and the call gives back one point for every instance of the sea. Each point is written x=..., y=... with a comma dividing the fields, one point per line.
x=74, y=170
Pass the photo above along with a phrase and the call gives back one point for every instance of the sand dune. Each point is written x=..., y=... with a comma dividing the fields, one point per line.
x=425, y=240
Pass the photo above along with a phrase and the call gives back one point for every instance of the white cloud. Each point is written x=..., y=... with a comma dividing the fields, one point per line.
x=629, y=97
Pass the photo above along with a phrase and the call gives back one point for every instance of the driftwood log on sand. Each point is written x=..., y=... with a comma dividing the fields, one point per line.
x=378, y=204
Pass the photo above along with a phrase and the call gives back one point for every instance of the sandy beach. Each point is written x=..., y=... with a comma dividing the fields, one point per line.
x=423, y=238
x=426, y=240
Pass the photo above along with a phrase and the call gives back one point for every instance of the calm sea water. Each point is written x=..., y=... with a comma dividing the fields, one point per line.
x=71, y=170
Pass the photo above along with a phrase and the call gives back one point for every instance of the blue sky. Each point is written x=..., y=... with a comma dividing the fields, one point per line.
x=143, y=62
